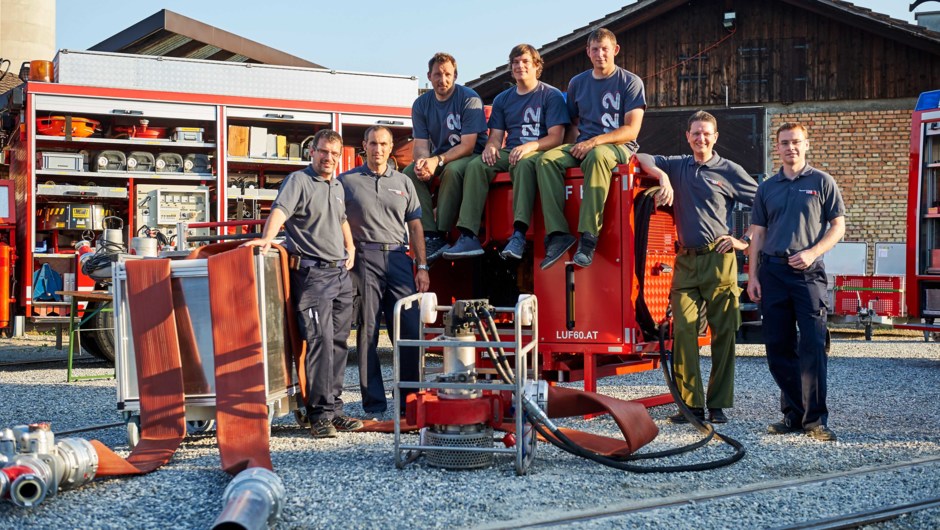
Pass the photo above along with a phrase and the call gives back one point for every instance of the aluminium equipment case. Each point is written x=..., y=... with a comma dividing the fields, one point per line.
x=200, y=407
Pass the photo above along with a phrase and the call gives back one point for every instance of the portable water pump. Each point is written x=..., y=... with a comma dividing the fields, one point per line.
x=460, y=367
x=459, y=409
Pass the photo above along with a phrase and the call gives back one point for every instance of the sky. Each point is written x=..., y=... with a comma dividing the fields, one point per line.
x=392, y=37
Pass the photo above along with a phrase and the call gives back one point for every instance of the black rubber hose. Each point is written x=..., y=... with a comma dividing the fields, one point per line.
x=554, y=435
x=501, y=352
x=643, y=207
x=558, y=438
x=499, y=362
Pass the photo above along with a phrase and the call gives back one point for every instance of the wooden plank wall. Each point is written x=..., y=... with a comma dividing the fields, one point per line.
x=779, y=53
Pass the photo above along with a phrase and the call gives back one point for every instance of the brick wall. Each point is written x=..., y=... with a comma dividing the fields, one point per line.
x=867, y=154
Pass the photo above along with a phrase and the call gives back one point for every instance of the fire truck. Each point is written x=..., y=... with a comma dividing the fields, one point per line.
x=141, y=143
x=923, y=216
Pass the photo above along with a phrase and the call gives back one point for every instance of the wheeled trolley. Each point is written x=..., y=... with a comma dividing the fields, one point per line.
x=281, y=383
x=486, y=373
x=869, y=300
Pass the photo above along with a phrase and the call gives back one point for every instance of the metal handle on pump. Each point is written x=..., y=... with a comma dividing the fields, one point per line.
x=569, y=296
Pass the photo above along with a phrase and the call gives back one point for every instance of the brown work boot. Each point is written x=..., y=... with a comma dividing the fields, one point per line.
x=322, y=428
x=821, y=433
x=346, y=424
x=680, y=418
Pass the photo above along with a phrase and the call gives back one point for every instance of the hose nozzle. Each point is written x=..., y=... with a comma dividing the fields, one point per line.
x=252, y=500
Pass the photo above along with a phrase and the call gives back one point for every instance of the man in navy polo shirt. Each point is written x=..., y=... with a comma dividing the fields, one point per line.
x=385, y=217
x=311, y=205
x=449, y=126
x=706, y=273
x=798, y=216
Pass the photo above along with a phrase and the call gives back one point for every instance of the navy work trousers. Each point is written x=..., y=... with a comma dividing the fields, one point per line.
x=792, y=299
x=323, y=299
x=381, y=278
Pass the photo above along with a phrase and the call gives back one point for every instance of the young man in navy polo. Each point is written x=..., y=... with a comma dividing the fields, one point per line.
x=798, y=216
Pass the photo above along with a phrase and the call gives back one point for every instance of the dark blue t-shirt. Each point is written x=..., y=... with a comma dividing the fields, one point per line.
x=443, y=122
x=600, y=104
x=528, y=117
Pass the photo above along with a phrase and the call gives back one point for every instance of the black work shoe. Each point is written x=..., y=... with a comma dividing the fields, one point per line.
x=584, y=256
x=717, y=416
x=434, y=247
x=465, y=247
x=680, y=418
x=346, y=424
x=821, y=433
x=380, y=415
x=322, y=428
x=783, y=427
x=555, y=247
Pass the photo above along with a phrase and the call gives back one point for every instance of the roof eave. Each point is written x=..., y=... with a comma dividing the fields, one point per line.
x=181, y=25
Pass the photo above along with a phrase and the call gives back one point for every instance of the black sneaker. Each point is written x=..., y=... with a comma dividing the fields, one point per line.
x=680, y=418
x=465, y=247
x=380, y=415
x=346, y=424
x=717, y=416
x=555, y=247
x=584, y=256
x=434, y=247
x=821, y=433
x=783, y=427
x=322, y=428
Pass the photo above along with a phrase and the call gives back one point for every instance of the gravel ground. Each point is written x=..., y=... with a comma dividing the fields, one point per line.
x=883, y=401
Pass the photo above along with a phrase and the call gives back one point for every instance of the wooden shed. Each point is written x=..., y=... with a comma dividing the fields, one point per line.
x=850, y=74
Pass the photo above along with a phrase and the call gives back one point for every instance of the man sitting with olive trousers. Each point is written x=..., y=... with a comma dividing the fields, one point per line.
x=449, y=126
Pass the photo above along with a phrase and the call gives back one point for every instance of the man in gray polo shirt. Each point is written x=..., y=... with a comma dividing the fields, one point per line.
x=384, y=216
x=311, y=205
x=706, y=187
x=798, y=216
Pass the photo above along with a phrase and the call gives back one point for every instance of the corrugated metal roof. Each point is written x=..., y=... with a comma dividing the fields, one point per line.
x=169, y=34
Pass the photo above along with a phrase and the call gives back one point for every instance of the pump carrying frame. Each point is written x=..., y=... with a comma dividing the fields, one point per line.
x=523, y=347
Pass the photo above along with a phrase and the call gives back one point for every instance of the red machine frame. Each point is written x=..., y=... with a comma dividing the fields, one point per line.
x=8, y=256
x=604, y=338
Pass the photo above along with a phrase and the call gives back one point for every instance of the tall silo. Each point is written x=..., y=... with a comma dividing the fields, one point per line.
x=27, y=31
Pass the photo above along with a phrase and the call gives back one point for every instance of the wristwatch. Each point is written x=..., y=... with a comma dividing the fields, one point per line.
x=440, y=159
x=746, y=239
x=424, y=267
